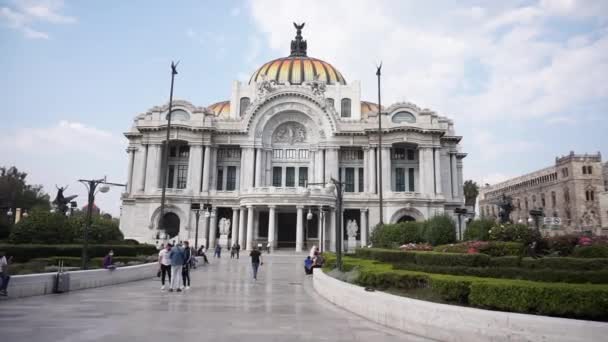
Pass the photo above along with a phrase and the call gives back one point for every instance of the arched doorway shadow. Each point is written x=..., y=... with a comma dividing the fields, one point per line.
x=406, y=218
x=407, y=214
x=171, y=223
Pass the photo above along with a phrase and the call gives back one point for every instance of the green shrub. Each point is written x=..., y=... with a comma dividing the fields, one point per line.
x=566, y=300
x=562, y=245
x=479, y=229
x=558, y=263
x=502, y=248
x=514, y=232
x=102, y=230
x=25, y=252
x=505, y=261
x=43, y=227
x=439, y=230
x=422, y=258
x=395, y=235
x=596, y=251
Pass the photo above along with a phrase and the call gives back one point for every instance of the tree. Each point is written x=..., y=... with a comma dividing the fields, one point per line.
x=16, y=193
x=471, y=190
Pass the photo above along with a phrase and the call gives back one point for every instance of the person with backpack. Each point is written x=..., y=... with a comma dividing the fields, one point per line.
x=256, y=261
x=177, y=263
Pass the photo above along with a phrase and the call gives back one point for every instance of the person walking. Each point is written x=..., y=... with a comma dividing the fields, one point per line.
x=164, y=261
x=233, y=251
x=4, y=277
x=238, y=249
x=256, y=261
x=177, y=263
x=188, y=261
x=218, y=251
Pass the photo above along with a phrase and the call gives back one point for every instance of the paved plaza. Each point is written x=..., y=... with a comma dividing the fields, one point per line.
x=224, y=304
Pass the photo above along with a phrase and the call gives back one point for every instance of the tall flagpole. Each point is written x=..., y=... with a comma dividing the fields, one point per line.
x=161, y=223
x=379, y=154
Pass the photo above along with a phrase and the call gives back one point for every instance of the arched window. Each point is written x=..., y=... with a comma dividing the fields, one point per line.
x=244, y=105
x=330, y=102
x=345, y=113
x=178, y=115
x=584, y=169
x=404, y=117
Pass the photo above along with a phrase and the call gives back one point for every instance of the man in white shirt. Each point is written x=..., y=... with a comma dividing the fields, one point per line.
x=164, y=260
x=4, y=277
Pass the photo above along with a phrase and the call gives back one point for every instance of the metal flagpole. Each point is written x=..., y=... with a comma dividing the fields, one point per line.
x=379, y=154
x=166, y=150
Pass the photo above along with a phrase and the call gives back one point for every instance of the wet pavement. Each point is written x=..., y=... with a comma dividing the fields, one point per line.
x=224, y=304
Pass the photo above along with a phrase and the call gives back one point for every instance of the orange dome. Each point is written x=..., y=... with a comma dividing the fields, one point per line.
x=220, y=108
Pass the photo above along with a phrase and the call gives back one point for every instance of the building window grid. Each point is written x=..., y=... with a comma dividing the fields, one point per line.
x=228, y=153
x=361, y=174
x=351, y=154
x=345, y=108
x=411, y=179
x=277, y=175
x=220, y=179
x=349, y=175
x=231, y=178
x=290, y=176
x=303, y=176
x=182, y=176
x=399, y=179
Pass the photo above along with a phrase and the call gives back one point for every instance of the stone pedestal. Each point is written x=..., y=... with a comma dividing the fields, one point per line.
x=352, y=244
x=224, y=241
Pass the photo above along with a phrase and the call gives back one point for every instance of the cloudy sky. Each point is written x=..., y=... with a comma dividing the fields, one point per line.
x=525, y=81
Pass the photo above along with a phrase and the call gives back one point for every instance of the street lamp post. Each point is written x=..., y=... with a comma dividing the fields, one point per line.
x=91, y=185
x=460, y=212
x=379, y=154
x=196, y=207
x=536, y=215
x=207, y=209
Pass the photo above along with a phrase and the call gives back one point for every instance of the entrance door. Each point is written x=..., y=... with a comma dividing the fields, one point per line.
x=286, y=224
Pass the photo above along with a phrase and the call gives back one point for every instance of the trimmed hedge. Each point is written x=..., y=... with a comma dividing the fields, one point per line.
x=598, y=251
x=541, y=274
x=395, y=235
x=491, y=248
x=23, y=253
x=586, y=301
x=423, y=258
x=76, y=262
x=565, y=263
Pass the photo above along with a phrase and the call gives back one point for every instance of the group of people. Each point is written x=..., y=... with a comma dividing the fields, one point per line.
x=313, y=260
x=175, y=262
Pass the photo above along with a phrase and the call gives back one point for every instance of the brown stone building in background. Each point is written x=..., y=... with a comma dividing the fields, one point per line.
x=575, y=190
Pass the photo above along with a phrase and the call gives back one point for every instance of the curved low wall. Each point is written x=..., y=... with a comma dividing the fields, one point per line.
x=450, y=322
x=42, y=283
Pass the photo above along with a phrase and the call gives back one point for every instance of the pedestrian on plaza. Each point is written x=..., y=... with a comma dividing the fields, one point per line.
x=317, y=261
x=308, y=265
x=238, y=249
x=233, y=251
x=107, y=261
x=177, y=263
x=188, y=261
x=201, y=252
x=164, y=261
x=256, y=261
x=4, y=276
x=218, y=251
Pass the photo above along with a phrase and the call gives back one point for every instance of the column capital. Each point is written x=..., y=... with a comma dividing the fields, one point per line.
x=300, y=207
x=272, y=207
x=249, y=206
x=236, y=208
x=131, y=149
x=364, y=210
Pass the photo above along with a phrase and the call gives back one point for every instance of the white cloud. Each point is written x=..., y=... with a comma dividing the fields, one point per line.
x=25, y=14
x=235, y=12
x=65, y=152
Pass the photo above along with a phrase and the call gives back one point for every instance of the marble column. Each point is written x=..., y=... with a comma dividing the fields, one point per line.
x=371, y=171
x=423, y=172
x=459, y=178
x=194, y=168
x=363, y=227
x=241, y=235
x=250, y=213
x=206, y=168
x=332, y=230
x=131, y=152
x=437, y=153
x=235, y=225
x=365, y=169
x=331, y=164
x=272, y=225
x=259, y=167
x=299, y=229
x=453, y=175
x=205, y=228
x=153, y=167
x=319, y=166
x=212, y=228
x=142, y=161
x=213, y=169
x=386, y=169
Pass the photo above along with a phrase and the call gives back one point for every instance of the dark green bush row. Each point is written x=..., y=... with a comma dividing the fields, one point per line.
x=23, y=253
x=76, y=261
x=565, y=263
x=541, y=274
x=586, y=301
x=491, y=248
x=436, y=230
x=599, y=251
x=423, y=258
x=479, y=229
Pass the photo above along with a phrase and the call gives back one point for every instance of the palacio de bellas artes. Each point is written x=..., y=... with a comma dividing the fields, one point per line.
x=264, y=163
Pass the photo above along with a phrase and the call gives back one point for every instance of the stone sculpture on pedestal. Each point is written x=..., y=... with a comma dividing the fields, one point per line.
x=351, y=232
x=224, y=226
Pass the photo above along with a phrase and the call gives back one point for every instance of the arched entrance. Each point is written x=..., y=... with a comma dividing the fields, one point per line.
x=171, y=224
x=406, y=218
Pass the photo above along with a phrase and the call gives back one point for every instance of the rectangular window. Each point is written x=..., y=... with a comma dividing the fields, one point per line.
x=231, y=178
x=361, y=179
x=411, y=179
x=277, y=175
x=184, y=151
x=399, y=179
x=349, y=175
x=182, y=176
x=277, y=154
x=553, y=199
x=542, y=200
x=303, y=176
x=290, y=154
x=290, y=176
x=220, y=179
x=399, y=154
x=411, y=154
x=173, y=151
x=303, y=154
x=171, y=176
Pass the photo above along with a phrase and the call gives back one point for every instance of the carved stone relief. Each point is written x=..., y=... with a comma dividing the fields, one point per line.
x=290, y=133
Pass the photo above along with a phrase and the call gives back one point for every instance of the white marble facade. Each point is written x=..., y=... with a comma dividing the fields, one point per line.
x=251, y=159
